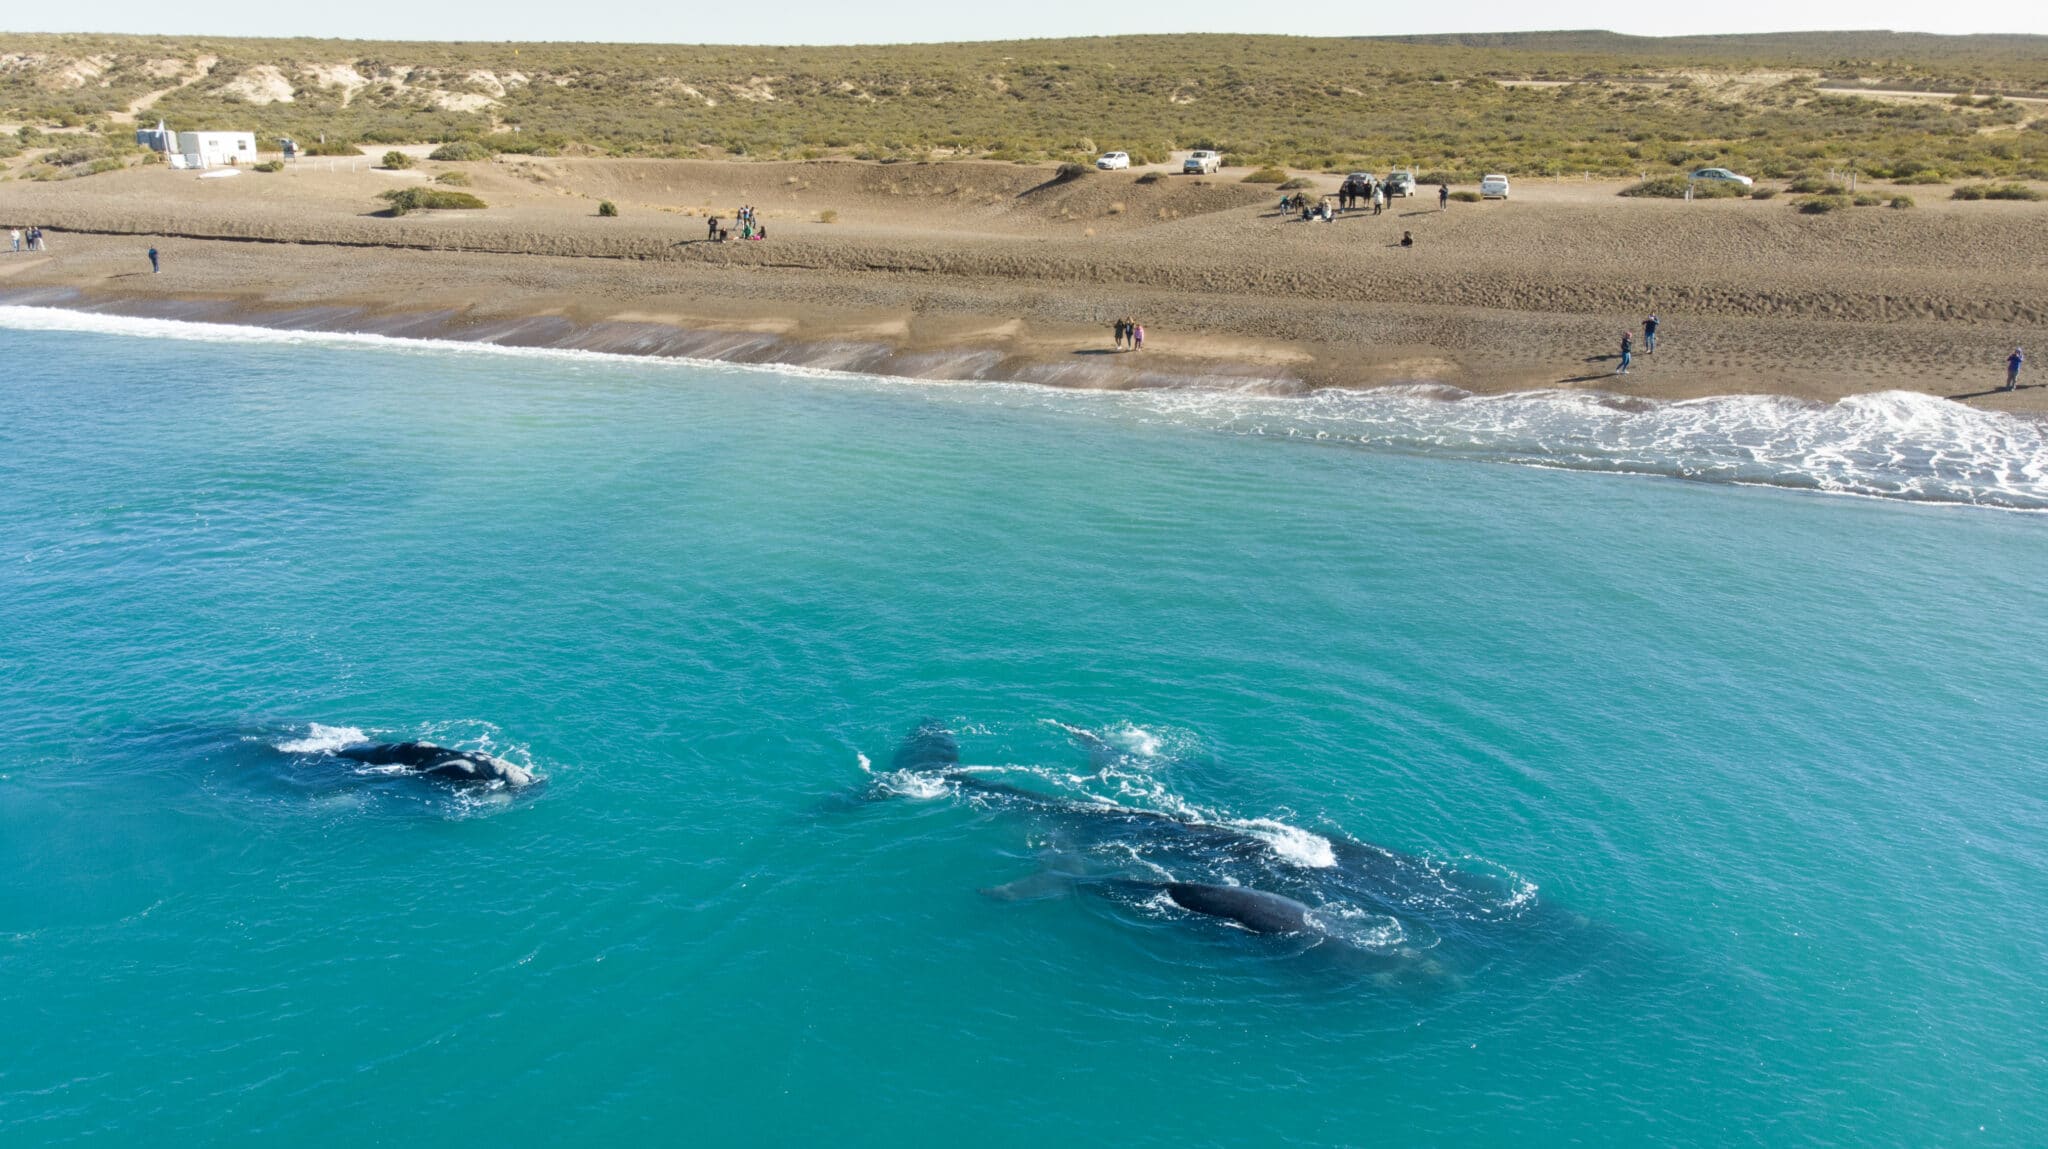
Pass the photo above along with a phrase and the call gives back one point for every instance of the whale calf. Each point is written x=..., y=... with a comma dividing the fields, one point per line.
x=1260, y=911
x=462, y=767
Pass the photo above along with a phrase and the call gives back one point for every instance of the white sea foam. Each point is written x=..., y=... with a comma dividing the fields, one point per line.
x=1366, y=929
x=24, y=318
x=1292, y=843
x=323, y=740
x=1890, y=444
x=912, y=784
x=1135, y=740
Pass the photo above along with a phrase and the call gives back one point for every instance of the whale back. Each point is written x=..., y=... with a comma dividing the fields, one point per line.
x=1256, y=910
x=929, y=747
x=439, y=762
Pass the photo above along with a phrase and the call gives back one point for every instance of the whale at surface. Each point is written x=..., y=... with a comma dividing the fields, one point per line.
x=1260, y=911
x=1258, y=875
x=461, y=767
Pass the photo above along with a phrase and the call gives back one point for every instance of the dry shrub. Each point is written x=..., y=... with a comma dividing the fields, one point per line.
x=403, y=200
x=1823, y=204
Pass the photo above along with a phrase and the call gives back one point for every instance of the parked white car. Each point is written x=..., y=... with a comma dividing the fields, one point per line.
x=1202, y=163
x=1723, y=175
x=1494, y=187
x=1399, y=184
x=1114, y=161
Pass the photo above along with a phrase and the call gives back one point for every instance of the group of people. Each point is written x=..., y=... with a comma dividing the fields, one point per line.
x=1628, y=344
x=1352, y=196
x=1129, y=334
x=33, y=237
x=751, y=226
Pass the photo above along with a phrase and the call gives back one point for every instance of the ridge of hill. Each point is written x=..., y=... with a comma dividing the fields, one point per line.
x=1525, y=103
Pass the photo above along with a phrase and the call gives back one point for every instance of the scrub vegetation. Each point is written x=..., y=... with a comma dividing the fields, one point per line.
x=404, y=200
x=1774, y=106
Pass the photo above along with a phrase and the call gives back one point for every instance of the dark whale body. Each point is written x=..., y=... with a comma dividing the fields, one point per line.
x=932, y=750
x=1259, y=911
x=462, y=767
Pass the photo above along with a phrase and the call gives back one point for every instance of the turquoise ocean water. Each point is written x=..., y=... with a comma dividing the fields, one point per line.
x=1715, y=806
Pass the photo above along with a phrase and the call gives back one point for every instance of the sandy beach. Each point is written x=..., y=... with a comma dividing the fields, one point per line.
x=986, y=270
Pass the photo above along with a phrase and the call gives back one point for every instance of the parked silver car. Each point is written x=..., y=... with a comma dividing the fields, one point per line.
x=1722, y=175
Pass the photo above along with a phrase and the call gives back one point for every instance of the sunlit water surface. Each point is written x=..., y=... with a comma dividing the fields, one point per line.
x=1732, y=795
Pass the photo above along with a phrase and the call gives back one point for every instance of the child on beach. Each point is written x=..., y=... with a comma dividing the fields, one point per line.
x=2013, y=363
x=1137, y=337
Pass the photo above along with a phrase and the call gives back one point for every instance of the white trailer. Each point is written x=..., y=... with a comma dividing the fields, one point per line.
x=214, y=149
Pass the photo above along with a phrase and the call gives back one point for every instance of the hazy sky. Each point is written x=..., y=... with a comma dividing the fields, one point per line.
x=842, y=21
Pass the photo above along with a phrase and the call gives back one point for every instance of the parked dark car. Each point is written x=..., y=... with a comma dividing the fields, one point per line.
x=1359, y=184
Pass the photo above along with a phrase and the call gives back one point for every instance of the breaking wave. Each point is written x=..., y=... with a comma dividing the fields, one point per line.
x=1891, y=444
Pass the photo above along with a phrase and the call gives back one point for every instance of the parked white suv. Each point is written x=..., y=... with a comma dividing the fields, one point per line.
x=1494, y=186
x=1114, y=161
x=1399, y=184
x=1723, y=175
x=1202, y=163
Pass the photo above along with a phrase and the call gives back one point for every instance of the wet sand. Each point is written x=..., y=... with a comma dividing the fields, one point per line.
x=976, y=270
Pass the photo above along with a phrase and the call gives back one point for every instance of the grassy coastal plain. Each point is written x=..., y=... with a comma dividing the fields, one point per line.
x=924, y=225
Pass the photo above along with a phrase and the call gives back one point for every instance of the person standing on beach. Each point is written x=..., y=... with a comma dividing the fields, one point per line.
x=1650, y=335
x=1443, y=196
x=153, y=268
x=15, y=235
x=2013, y=363
x=1628, y=348
x=1137, y=337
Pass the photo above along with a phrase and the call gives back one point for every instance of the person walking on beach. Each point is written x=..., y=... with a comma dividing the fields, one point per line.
x=2013, y=363
x=1443, y=196
x=1650, y=335
x=153, y=268
x=1628, y=348
x=1137, y=337
x=15, y=235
